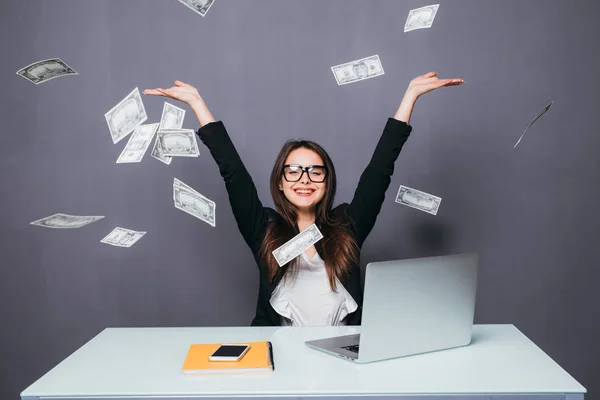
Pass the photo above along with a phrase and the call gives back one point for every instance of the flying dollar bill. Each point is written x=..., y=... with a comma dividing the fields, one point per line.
x=177, y=182
x=296, y=245
x=45, y=70
x=421, y=18
x=172, y=117
x=420, y=200
x=544, y=110
x=64, y=221
x=200, y=7
x=178, y=142
x=122, y=237
x=158, y=153
x=138, y=144
x=127, y=115
x=359, y=70
x=188, y=200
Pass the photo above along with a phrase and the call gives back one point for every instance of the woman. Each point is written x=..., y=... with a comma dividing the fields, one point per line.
x=322, y=285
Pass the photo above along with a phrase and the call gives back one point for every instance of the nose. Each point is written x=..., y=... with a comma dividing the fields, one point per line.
x=304, y=178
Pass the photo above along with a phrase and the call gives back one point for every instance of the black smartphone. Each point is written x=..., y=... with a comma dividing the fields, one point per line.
x=229, y=352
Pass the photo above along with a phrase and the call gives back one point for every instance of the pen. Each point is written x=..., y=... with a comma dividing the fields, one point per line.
x=271, y=355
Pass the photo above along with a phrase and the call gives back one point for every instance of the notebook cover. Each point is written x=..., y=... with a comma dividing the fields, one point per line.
x=257, y=358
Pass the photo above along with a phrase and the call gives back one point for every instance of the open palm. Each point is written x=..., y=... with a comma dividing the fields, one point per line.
x=181, y=91
x=428, y=82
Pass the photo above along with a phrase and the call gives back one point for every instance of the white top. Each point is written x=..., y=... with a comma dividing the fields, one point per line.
x=146, y=362
x=308, y=300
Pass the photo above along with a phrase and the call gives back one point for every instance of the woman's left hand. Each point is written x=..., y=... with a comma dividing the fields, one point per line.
x=428, y=82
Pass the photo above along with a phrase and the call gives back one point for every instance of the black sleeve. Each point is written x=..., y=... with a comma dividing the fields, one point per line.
x=375, y=179
x=248, y=211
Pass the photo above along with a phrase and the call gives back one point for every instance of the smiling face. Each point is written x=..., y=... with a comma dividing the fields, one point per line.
x=304, y=193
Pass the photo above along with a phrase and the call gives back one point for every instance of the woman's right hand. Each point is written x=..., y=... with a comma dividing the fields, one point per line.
x=181, y=91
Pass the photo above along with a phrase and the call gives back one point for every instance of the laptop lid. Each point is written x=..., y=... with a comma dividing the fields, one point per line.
x=417, y=305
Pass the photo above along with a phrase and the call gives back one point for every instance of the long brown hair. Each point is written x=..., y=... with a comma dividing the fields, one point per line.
x=340, y=249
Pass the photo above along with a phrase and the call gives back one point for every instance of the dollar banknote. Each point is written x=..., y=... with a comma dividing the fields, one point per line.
x=177, y=182
x=178, y=142
x=60, y=220
x=544, y=110
x=122, y=237
x=296, y=245
x=138, y=144
x=172, y=117
x=158, y=153
x=354, y=71
x=45, y=70
x=127, y=115
x=200, y=7
x=417, y=199
x=421, y=18
x=190, y=201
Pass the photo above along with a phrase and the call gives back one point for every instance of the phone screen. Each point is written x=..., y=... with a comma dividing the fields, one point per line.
x=229, y=351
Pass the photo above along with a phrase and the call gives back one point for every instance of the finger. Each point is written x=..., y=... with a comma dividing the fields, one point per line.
x=181, y=84
x=167, y=93
x=429, y=74
x=153, y=92
x=453, y=82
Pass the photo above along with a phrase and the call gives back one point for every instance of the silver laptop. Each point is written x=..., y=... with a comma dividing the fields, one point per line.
x=411, y=307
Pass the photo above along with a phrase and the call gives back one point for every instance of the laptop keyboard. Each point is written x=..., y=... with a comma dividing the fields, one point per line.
x=353, y=348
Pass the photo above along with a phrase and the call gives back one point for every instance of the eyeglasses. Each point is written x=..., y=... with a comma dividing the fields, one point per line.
x=294, y=172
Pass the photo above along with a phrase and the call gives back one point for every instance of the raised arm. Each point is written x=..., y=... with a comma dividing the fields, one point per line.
x=248, y=211
x=376, y=178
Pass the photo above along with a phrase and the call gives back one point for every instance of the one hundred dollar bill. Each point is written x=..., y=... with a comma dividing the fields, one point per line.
x=127, y=115
x=63, y=221
x=354, y=71
x=420, y=200
x=200, y=7
x=45, y=70
x=195, y=204
x=172, y=117
x=178, y=142
x=138, y=144
x=122, y=237
x=157, y=152
x=544, y=110
x=421, y=18
x=296, y=245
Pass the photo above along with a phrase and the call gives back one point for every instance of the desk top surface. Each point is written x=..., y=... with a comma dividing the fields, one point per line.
x=147, y=362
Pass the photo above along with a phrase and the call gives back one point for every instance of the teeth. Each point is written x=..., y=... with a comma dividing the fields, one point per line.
x=304, y=191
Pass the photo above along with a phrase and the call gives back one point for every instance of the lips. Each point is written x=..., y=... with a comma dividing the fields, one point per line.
x=304, y=192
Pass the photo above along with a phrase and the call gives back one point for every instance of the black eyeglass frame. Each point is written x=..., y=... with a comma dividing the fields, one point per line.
x=304, y=169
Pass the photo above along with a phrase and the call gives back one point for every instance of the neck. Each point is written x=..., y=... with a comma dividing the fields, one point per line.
x=305, y=218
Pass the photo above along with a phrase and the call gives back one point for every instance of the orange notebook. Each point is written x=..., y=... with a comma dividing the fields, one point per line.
x=258, y=358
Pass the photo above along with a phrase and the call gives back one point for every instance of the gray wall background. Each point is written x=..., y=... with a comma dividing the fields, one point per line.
x=264, y=69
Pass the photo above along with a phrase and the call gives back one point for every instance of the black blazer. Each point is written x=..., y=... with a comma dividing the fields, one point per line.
x=252, y=218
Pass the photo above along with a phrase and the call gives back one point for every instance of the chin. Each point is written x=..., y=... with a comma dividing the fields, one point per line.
x=304, y=205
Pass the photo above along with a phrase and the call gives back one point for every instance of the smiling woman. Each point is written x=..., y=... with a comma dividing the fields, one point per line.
x=322, y=285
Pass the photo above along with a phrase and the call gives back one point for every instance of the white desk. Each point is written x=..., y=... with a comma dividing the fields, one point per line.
x=137, y=363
